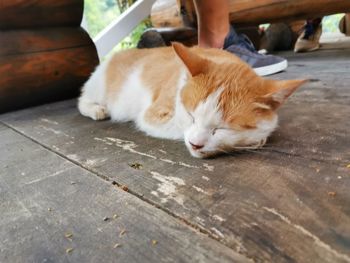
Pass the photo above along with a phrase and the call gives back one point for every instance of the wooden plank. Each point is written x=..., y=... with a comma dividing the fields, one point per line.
x=269, y=205
x=49, y=205
x=33, y=13
x=318, y=109
x=249, y=201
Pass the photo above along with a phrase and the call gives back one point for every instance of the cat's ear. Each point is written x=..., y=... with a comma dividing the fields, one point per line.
x=277, y=92
x=194, y=63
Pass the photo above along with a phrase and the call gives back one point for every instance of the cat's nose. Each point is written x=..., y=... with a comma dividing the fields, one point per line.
x=196, y=146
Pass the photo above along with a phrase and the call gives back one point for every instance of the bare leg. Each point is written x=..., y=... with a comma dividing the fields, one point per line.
x=213, y=22
x=214, y=27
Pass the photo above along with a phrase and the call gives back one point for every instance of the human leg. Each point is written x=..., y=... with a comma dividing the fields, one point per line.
x=214, y=31
x=213, y=22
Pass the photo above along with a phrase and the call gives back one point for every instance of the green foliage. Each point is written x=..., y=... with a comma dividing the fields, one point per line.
x=100, y=13
x=131, y=40
x=330, y=23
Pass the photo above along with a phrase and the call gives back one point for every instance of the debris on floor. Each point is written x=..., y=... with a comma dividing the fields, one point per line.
x=136, y=166
x=69, y=250
x=68, y=235
x=332, y=194
x=117, y=245
x=122, y=232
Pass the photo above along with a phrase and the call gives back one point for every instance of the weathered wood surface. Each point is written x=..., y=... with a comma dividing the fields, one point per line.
x=286, y=203
x=44, y=13
x=166, y=13
x=42, y=65
x=49, y=205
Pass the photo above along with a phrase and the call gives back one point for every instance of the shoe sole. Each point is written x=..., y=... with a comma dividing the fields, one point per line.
x=301, y=50
x=271, y=69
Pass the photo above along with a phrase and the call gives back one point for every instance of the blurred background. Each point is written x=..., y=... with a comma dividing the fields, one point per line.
x=99, y=13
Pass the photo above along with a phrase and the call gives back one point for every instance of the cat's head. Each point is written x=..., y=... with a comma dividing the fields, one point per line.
x=229, y=106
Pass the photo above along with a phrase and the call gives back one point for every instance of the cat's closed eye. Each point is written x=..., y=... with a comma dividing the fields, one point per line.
x=192, y=118
x=218, y=129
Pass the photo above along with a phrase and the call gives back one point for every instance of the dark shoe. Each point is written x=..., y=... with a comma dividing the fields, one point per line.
x=276, y=37
x=151, y=39
x=240, y=40
x=263, y=65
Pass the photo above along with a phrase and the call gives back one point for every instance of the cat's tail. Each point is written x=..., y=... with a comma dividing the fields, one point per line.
x=92, y=102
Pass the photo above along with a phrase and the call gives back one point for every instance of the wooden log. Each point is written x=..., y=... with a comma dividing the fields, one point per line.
x=268, y=11
x=166, y=13
x=43, y=65
x=247, y=12
x=33, y=13
x=14, y=42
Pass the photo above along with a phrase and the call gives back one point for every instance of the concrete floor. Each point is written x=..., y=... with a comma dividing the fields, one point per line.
x=75, y=190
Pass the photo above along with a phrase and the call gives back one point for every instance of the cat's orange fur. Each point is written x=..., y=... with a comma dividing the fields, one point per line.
x=245, y=102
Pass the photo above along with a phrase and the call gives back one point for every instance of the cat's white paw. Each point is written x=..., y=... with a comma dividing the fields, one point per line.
x=92, y=110
x=99, y=112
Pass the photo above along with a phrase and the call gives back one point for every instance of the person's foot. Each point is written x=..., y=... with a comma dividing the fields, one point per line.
x=309, y=39
x=263, y=65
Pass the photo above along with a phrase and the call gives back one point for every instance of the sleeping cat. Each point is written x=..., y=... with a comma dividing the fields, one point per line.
x=207, y=97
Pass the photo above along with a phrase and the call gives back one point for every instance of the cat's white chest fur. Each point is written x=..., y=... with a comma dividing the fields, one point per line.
x=132, y=100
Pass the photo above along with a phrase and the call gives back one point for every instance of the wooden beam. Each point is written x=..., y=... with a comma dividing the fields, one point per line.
x=247, y=12
x=166, y=13
x=33, y=13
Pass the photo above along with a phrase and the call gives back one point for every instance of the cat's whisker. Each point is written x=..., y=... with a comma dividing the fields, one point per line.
x=244, y=149
x=234, y=153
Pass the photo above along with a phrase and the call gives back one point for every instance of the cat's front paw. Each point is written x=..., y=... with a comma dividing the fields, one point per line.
x=93, y=110
x=99, y=113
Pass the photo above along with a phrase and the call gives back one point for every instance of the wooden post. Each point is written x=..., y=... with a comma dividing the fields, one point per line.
x=44, y=54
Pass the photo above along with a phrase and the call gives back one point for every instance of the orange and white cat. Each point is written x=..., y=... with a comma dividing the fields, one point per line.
x=207, y=97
